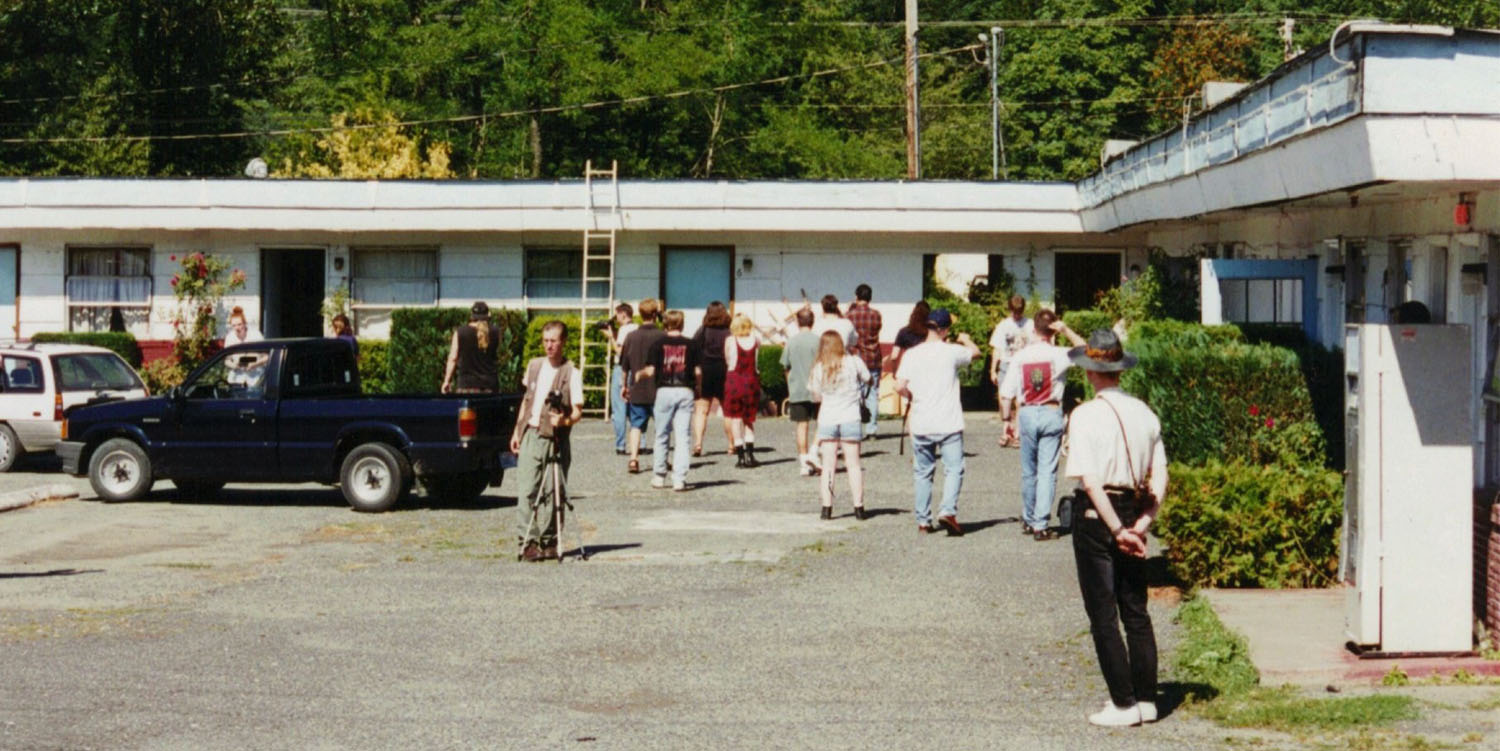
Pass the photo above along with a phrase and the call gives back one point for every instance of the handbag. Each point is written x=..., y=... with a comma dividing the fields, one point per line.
x=864, y=404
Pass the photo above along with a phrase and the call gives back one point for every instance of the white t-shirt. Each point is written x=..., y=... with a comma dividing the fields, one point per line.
x=843, y=326
x=1009, y=337
x=251, y=335
x=1095, y=448
x=1037, y=374
x=840, y=397
x=545, y=377
x=624, y=332
x=930, y=370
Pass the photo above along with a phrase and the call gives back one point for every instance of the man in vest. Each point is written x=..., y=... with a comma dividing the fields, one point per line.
x=553, y=403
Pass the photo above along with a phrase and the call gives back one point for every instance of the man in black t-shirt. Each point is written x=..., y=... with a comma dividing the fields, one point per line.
x=675, y=363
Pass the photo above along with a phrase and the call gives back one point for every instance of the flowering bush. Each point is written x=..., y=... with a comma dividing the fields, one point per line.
x=199, y=285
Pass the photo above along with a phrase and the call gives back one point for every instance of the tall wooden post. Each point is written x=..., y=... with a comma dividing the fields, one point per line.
x=913, y=122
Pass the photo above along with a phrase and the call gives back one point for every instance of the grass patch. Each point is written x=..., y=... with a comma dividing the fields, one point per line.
x=1211, y=659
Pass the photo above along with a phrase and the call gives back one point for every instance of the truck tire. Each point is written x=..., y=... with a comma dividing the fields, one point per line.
x=119, y=470
x=374, y=477
x=455, y=489
x=197, y=489
x=10, y=448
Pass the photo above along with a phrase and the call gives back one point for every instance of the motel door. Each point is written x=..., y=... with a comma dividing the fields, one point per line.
x=9, y=280
x=291, y=293
x=1080, y=277
x=693, y=277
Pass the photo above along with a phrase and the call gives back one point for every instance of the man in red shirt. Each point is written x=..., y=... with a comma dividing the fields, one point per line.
x=867, y=324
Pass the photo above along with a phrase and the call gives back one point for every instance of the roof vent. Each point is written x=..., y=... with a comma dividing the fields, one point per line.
x=1114, y=147
x=1215, y=92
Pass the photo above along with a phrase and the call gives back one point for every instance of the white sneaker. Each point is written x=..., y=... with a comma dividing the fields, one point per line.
x=804, y=470
x=682, y=485
x=812, y=462
x=1148, y=710
x=658, y=481
x=1115, y=717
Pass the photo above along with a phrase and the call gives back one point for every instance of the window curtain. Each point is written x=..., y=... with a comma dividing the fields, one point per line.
x=109, y=275
x=394, y=277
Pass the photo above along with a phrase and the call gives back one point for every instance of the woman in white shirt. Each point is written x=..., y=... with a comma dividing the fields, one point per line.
x=239, y=330
x=836, y=381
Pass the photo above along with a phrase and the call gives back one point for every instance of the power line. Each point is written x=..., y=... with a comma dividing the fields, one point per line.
x=641, y=99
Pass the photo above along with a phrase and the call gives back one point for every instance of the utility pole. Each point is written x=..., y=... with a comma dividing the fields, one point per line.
x=996, y=40
x=913, y=120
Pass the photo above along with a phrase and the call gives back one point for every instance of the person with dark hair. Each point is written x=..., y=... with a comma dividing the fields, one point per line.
x=639, y=393
x=471, y=355
x=709, y=339
x=1411, y=311
x=1036, y=377
x=674, y=363
x=867, y=324
x=797, y=361
x=835, y=321
x=1117, y=454
x=624, y=323
x=544, y=422
x=928, y=376
x=1009, y=336
x=342, y=331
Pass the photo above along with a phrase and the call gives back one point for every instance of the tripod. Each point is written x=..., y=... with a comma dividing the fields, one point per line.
x=552, y=476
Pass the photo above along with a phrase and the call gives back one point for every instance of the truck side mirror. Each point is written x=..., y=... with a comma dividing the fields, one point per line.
x=176, y=393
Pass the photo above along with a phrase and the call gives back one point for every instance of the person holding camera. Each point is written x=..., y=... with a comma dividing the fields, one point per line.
x=553, y=403
x=1116, y=452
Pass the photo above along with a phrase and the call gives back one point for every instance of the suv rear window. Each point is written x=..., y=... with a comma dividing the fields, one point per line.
x=94, y=371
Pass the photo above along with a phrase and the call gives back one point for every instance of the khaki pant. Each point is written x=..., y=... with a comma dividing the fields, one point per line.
x=532, y=473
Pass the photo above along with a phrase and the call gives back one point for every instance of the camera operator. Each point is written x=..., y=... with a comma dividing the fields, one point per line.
x=553, y=403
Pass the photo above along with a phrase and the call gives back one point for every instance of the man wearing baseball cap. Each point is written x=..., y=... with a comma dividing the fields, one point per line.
x=1115, y=450
x=928, y=376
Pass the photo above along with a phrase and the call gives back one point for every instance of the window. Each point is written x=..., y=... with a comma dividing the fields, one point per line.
x=314, y=372
x=241, y=375
x=23, y=374
x=95, y=371
x=383, y=279
x=1262, y=300
x=556, y=275
x=109, y=289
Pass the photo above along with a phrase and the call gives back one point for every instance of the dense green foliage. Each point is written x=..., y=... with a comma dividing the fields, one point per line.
x=420, y=340
x=1238, y=524
x=772, y=377
x=694, y=88
x=122, y=343
x=596, y=354
x=374, y=366
x=975, y=320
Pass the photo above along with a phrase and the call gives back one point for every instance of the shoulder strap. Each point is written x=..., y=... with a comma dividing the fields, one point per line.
x=1138, y=484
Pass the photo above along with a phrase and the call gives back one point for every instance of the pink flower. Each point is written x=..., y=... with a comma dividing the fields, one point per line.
x=1270, y=423
x=174, y=280
x=1254, y=410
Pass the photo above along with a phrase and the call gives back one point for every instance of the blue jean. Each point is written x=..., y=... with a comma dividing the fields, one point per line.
x=674, y=413
x=872, y=400
x=925, y=451
x=617, y=408
x=1041, y=436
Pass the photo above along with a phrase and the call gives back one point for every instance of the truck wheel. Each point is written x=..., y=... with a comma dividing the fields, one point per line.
x=120, y=470
x=197, y=489
x=456, y=489
x=374, y=477
x=10, y=448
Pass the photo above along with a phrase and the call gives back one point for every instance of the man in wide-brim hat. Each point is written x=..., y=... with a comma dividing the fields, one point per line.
x=1115, y=451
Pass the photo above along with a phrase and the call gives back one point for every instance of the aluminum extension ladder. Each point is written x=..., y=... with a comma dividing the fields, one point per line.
x=601, y=223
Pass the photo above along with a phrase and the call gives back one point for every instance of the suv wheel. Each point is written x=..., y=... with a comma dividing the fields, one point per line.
x=119, y=470
x=10, y=448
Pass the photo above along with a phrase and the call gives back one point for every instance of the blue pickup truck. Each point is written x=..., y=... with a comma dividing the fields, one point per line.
x=291, y=410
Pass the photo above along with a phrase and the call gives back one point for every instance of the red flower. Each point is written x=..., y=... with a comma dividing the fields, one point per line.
x=1254, y=410
x=1270, y=423
x=173, y=257
x=174, y=280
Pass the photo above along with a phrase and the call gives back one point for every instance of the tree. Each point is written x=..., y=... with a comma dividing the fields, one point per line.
x=367, y=144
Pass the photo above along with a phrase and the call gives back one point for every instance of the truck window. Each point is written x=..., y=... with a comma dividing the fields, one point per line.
x=312, y=371
x=94, y=371
x=241, y=375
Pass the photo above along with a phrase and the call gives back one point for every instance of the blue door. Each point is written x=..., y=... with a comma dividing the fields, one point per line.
x=693, y=277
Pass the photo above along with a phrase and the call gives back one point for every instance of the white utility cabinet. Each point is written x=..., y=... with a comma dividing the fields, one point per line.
x=1406, y=557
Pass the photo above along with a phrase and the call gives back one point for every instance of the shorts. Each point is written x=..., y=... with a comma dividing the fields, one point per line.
x=847, y=432
x=639, y=415
x=802, y=411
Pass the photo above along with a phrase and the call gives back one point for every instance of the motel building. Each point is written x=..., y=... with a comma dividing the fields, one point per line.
x=1353, y=178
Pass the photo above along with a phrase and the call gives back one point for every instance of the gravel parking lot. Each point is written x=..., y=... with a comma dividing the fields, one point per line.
x=728, y=616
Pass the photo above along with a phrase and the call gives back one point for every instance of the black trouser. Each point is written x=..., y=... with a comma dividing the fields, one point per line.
x=1114, y=589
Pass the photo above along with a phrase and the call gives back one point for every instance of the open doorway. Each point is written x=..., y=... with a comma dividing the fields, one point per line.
x=291, y=291
x=1080, y=277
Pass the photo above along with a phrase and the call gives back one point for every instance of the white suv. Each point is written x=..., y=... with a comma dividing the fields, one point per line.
x=39, y=382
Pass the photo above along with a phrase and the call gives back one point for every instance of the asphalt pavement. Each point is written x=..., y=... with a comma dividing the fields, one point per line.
x=727, y=616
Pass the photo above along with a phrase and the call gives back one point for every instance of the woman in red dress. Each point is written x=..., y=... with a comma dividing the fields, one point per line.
x=742, y=388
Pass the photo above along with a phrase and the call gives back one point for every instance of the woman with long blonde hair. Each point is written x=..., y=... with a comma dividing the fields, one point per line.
x=836, y=380
x=742, y=388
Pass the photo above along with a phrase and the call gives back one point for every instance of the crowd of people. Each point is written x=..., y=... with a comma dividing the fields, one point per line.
x=833, y=366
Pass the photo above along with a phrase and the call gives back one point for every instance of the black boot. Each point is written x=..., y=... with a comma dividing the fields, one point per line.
x=750, y=456
x=739, y=451
x=827, y=513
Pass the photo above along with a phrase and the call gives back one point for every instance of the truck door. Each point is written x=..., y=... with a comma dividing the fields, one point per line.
x=226, y=421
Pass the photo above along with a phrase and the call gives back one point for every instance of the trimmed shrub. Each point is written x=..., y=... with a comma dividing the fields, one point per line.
x=374, y=367
x=1241, y=525
x=1323, y=370
x=1182, y=333
x=122, y=343
x=1085, y=321
x=419, y=343
x=597, y=355
x=772, y=377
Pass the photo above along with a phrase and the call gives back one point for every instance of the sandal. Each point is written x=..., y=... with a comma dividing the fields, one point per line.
x=635, y=467
x=697, y=451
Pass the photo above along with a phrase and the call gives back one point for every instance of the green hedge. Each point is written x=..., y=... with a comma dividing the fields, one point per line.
x=420, y=339
x=1241, y=525
x=1323, y=370
x=772, y=377
x=597, y=355
x=975, y=320
x=120, y=342
x=1183, y=333
x=1085, y=321
x=374, y=366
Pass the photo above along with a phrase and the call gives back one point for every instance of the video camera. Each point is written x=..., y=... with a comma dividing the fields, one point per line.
x=554, y=403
